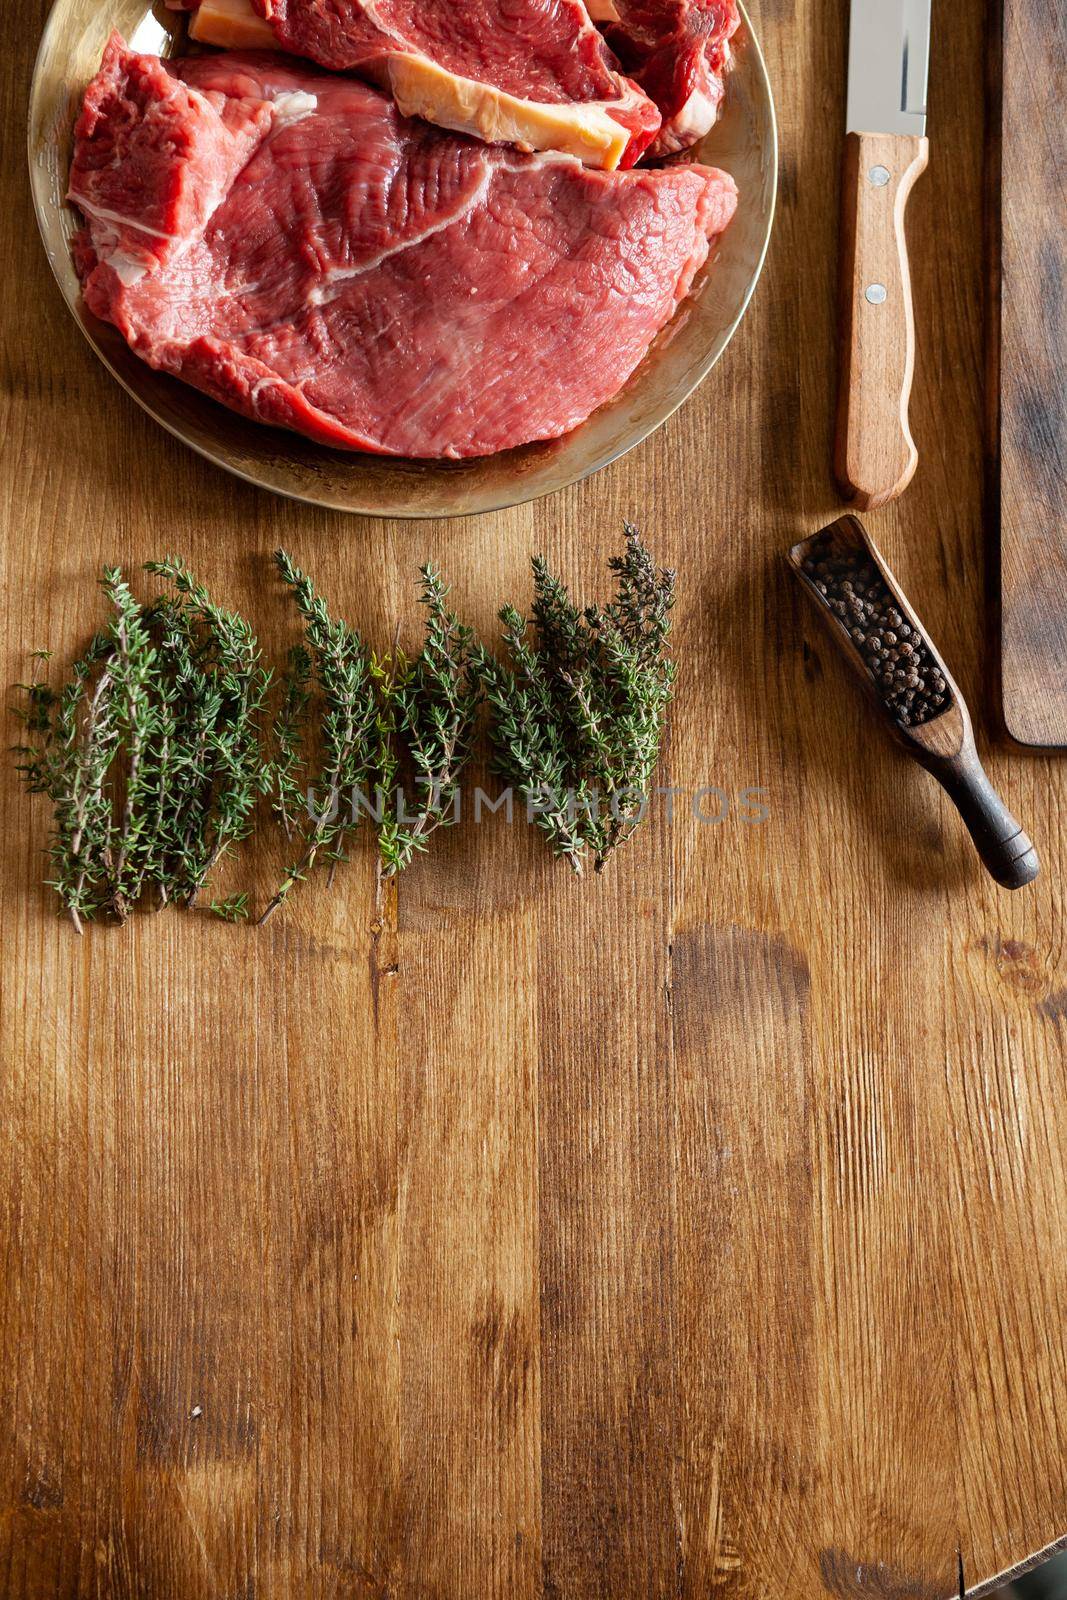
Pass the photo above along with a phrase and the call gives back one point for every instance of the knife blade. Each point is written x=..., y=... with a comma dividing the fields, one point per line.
x=888, y=64
x=885, y=151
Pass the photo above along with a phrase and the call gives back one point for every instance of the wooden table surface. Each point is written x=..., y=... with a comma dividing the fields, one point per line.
x=695, y=1230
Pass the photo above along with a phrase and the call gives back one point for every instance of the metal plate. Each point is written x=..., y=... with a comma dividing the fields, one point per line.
x=744, y=143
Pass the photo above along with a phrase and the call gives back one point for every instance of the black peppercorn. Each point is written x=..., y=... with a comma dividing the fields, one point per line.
x=912, y=687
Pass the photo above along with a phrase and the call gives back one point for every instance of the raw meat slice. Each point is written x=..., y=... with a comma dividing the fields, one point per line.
x=140, y=207
x=535, y=73
x=678, y=51
x=366, y=279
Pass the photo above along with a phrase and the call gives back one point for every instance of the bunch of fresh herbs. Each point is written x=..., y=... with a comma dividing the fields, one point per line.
x=154, y=757
x=356, y=733
x=577, y=710
x=215, y=686
x=151, y=754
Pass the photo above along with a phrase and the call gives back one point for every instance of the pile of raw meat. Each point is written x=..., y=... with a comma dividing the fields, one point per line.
x=455, y=257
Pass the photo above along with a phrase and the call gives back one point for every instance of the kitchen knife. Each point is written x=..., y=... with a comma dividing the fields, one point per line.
x=885, y=151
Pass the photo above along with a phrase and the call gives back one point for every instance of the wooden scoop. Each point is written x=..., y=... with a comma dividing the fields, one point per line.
x=943, y=742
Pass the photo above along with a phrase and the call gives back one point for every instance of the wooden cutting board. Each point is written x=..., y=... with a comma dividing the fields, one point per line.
x=1033, y=371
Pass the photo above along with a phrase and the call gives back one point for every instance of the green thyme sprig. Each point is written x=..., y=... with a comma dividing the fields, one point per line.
x=74, y=739
x=430, y=710
x=91, y=760
x=329, y=679
x=233, y=909
x=386, y=672
x=290, y=737
x=578, y=710
x=392, y=733
x=528, y=735
x=140, y=718
x=220, y=690
x=151, y=754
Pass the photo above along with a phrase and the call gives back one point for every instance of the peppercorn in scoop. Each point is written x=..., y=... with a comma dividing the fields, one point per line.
x=908, y=680
x=879, y=634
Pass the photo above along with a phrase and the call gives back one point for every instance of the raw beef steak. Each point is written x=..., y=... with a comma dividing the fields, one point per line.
x=535, y=73
x=678, y=50
x=289, y=243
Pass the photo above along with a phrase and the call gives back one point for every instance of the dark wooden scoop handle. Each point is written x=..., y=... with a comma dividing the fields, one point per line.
x=1006, y=851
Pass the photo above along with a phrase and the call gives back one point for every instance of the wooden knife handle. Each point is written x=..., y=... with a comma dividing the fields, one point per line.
x=875, y=455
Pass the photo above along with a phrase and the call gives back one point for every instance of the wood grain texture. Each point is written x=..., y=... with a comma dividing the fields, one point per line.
x=1033, y=371
x=875, y=452
x=697, y=1229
